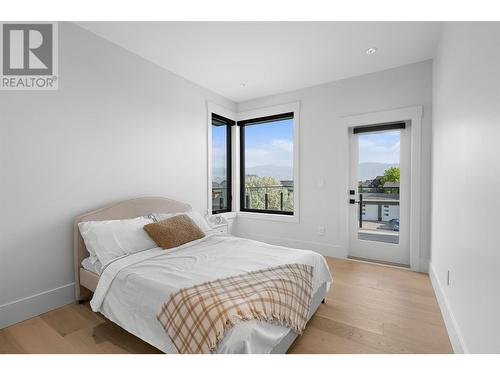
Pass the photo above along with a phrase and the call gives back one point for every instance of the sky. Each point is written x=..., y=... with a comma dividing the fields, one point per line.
x=379, y=147
x=269, y=144
x=218, y=147
x=265, y=144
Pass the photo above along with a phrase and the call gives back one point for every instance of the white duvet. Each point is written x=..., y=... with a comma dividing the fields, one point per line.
x=131, y=290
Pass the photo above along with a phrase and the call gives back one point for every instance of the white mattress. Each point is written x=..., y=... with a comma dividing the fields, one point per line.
x=132, y=290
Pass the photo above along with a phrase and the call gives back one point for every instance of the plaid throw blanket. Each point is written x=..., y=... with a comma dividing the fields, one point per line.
x=197, y=317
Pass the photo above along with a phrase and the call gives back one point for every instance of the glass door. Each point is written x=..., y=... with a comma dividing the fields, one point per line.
x=379, y=193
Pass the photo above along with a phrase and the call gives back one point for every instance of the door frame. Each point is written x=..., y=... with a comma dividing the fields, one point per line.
x=414, y=116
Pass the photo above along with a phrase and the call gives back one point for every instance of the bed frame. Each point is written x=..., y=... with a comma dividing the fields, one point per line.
x=85, y=281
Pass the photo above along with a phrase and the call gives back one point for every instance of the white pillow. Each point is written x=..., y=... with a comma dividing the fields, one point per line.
x=111, y=239
x=198, y=219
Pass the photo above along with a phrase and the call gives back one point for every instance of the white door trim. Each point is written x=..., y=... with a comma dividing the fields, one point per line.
x=414, y=115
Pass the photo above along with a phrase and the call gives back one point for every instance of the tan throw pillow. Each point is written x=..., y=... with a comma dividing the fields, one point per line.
x=174, y=231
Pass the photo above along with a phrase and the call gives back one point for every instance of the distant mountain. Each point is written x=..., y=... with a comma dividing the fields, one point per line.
x=368, y=171
x=281, y=173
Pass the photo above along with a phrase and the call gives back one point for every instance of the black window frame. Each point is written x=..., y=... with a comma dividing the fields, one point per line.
x=228, y=123
x=258, y=121
x=379, y=128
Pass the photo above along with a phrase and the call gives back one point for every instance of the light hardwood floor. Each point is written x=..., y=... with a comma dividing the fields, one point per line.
x=369, y=309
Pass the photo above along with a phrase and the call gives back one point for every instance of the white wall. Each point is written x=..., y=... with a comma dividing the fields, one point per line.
x=118, y=127
x=324, y=154
x=466, y=182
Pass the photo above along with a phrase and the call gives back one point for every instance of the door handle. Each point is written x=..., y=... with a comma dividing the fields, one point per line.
x=354, y=201
x=360, y=213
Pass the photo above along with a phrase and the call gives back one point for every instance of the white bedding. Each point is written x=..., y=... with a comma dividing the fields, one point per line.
x=92, y=267
x=131, y=290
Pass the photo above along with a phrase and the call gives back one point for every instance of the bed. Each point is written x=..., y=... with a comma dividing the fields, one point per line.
x=130, y=290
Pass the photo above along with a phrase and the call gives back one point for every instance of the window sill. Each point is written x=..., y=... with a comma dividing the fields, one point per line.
x=272, y=217
x=226, y=215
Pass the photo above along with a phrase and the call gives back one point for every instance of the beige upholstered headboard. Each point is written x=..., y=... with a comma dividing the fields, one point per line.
x=122, y=210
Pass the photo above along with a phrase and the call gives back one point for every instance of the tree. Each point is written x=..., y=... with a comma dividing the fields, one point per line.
x=391, y=174
x=256, y=189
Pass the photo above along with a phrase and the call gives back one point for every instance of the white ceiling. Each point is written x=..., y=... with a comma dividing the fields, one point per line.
x=271, y=57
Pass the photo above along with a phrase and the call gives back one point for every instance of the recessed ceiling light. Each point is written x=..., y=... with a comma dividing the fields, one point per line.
x=371, y=50
x=243, y=84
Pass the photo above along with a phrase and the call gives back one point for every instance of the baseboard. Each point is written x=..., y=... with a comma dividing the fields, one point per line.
x=323, y=248
x=454, y=333
x=28, y=307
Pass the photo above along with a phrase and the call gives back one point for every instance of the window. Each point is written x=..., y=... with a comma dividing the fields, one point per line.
x=266, y=164
x=221, y=164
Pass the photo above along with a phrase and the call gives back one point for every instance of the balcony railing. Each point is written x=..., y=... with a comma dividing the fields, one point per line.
x=380, y=192
x=383, y=216
x=219, y=198
x=271, y=198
